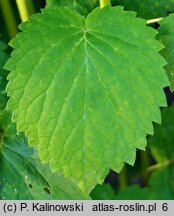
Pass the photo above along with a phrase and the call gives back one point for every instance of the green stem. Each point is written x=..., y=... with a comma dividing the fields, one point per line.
x=150, y=21
x=122, y=178
x=103, y=3
x=159, y=165
x=9, y=18
x=22, y=8
x=30, y=6
x=152, y=168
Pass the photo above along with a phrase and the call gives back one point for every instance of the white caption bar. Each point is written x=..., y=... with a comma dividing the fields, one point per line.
x=100, y=207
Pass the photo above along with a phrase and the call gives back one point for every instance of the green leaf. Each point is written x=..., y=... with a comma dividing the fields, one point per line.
x=166, y=36
x=84, y=7
x=106, y=192
x=136, y=193
x=160, y=187
x=85, y=92
x=162, y=143
x=103, y=192
x=162, y=183
x=3, y=75
x=162, y=147
x=147, y=9
x=22, y=176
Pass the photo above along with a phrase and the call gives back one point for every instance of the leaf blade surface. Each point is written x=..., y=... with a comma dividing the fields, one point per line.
x=166, y=34
x=84, y=83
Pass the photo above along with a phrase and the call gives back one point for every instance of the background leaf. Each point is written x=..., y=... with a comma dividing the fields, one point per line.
x=80, y=112
x=136, y=193
x=84, y=7
x=162, y=147
x=159, y=187
x=147, y=9
x=162, y=143
x=103, y=192
x=106, y=192
x=162, y=182
x=23, y=176
x=3, y=75
x=166, y=36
